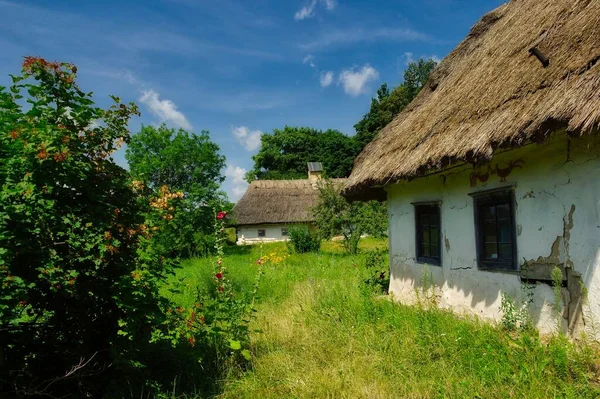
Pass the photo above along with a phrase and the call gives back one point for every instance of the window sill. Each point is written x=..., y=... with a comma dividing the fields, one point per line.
x=429, y=261
x=493, y=269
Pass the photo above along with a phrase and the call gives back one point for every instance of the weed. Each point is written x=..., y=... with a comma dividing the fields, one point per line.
x=377, y=268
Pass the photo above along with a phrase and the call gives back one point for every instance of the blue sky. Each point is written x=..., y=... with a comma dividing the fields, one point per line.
x=236, y=68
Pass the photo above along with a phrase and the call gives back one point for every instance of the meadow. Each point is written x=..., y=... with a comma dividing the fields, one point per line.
x=321, y=332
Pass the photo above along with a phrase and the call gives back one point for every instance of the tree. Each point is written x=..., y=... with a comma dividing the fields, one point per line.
x=190, y=163
x=285, y=153
x=79, y=271
x=389, y=104
x=336, y=216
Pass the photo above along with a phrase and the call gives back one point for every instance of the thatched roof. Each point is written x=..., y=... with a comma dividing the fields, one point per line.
x=490, y=92
x=278, y=201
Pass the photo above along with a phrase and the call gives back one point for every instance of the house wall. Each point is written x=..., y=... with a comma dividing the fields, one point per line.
x=249, y=234
x=557, y=216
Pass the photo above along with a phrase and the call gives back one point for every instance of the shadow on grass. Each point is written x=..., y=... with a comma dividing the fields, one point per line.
x=162, y=370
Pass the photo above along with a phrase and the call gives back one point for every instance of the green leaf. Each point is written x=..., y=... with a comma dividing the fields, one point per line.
x=246, y=354
x=235, y=345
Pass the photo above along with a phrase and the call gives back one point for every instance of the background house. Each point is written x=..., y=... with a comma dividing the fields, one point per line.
x=269, y=208
x=491, y=172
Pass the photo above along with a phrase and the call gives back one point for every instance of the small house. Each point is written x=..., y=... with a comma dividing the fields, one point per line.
x=269, y=208
x=491, y=174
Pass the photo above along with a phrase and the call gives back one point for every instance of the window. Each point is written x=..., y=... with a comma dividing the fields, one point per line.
x=495, y=230
x=284, y=232
x=262, y=233
x=427, y=222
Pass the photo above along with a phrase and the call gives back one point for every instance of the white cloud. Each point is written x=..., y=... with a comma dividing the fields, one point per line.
x=309, y=60
x=361, y=35
x=330, y=4
x=250, y=139
x=408, y=58
x=165, y=110
x=326, y=78
x=234, y=176
x=308, y=11
x=355, y=80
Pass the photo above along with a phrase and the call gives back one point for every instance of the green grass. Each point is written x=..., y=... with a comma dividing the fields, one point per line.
x=325, y=336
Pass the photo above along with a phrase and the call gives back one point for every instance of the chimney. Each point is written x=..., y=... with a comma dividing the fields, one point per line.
x=315, y=170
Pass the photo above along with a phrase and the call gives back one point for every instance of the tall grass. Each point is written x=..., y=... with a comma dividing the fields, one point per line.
x=324, y=334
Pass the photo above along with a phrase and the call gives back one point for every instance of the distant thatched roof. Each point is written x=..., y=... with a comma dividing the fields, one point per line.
x=278, y=201
x=490, y=92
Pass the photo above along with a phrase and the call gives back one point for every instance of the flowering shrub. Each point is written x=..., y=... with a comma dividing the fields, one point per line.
x=218, y=320
x=80, y=269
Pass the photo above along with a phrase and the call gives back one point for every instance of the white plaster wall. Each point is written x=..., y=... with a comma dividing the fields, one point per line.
x=249, y=234
x=556, y=177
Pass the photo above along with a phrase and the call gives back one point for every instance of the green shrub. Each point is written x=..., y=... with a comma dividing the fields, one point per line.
x=79, y=266
x=303, y=240
x=377, y=267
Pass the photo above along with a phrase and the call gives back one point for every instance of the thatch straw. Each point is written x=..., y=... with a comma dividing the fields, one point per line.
x=490, y=92
x=278, y=201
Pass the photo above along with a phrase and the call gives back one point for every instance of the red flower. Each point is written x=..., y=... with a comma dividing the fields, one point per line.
x=192, y=341
x=259, y=261
x=221, y=215
x=219, y=276
x=220, y=289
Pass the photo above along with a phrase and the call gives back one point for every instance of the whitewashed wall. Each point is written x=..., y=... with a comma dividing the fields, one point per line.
x=557, y=194
x=249, y=234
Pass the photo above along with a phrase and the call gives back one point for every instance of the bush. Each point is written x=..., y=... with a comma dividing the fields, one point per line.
x=79, y=268
x=378, y=271
x=303, y=240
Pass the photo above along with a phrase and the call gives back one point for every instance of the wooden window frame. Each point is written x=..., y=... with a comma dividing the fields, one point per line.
x=264, y=233
x=419, y=208
x=503, y=195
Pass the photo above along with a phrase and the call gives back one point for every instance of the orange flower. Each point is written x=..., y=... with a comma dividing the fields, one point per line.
x=14, y=134
x=43, y=154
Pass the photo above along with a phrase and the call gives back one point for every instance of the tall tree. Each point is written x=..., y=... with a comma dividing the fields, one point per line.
x=186, y=162
x=389, y=103
x=285, y=152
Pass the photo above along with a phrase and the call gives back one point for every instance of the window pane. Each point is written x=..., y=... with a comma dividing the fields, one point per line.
x=434, y=217
x=424, y=219
x=491, y=251
x=425, y=237
x=505, y=231
x=425, y=251
x=435, y=251
x=505, y=251
x=489, y=213
x=503, y=211
x=489, y=231
x=435, y=235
